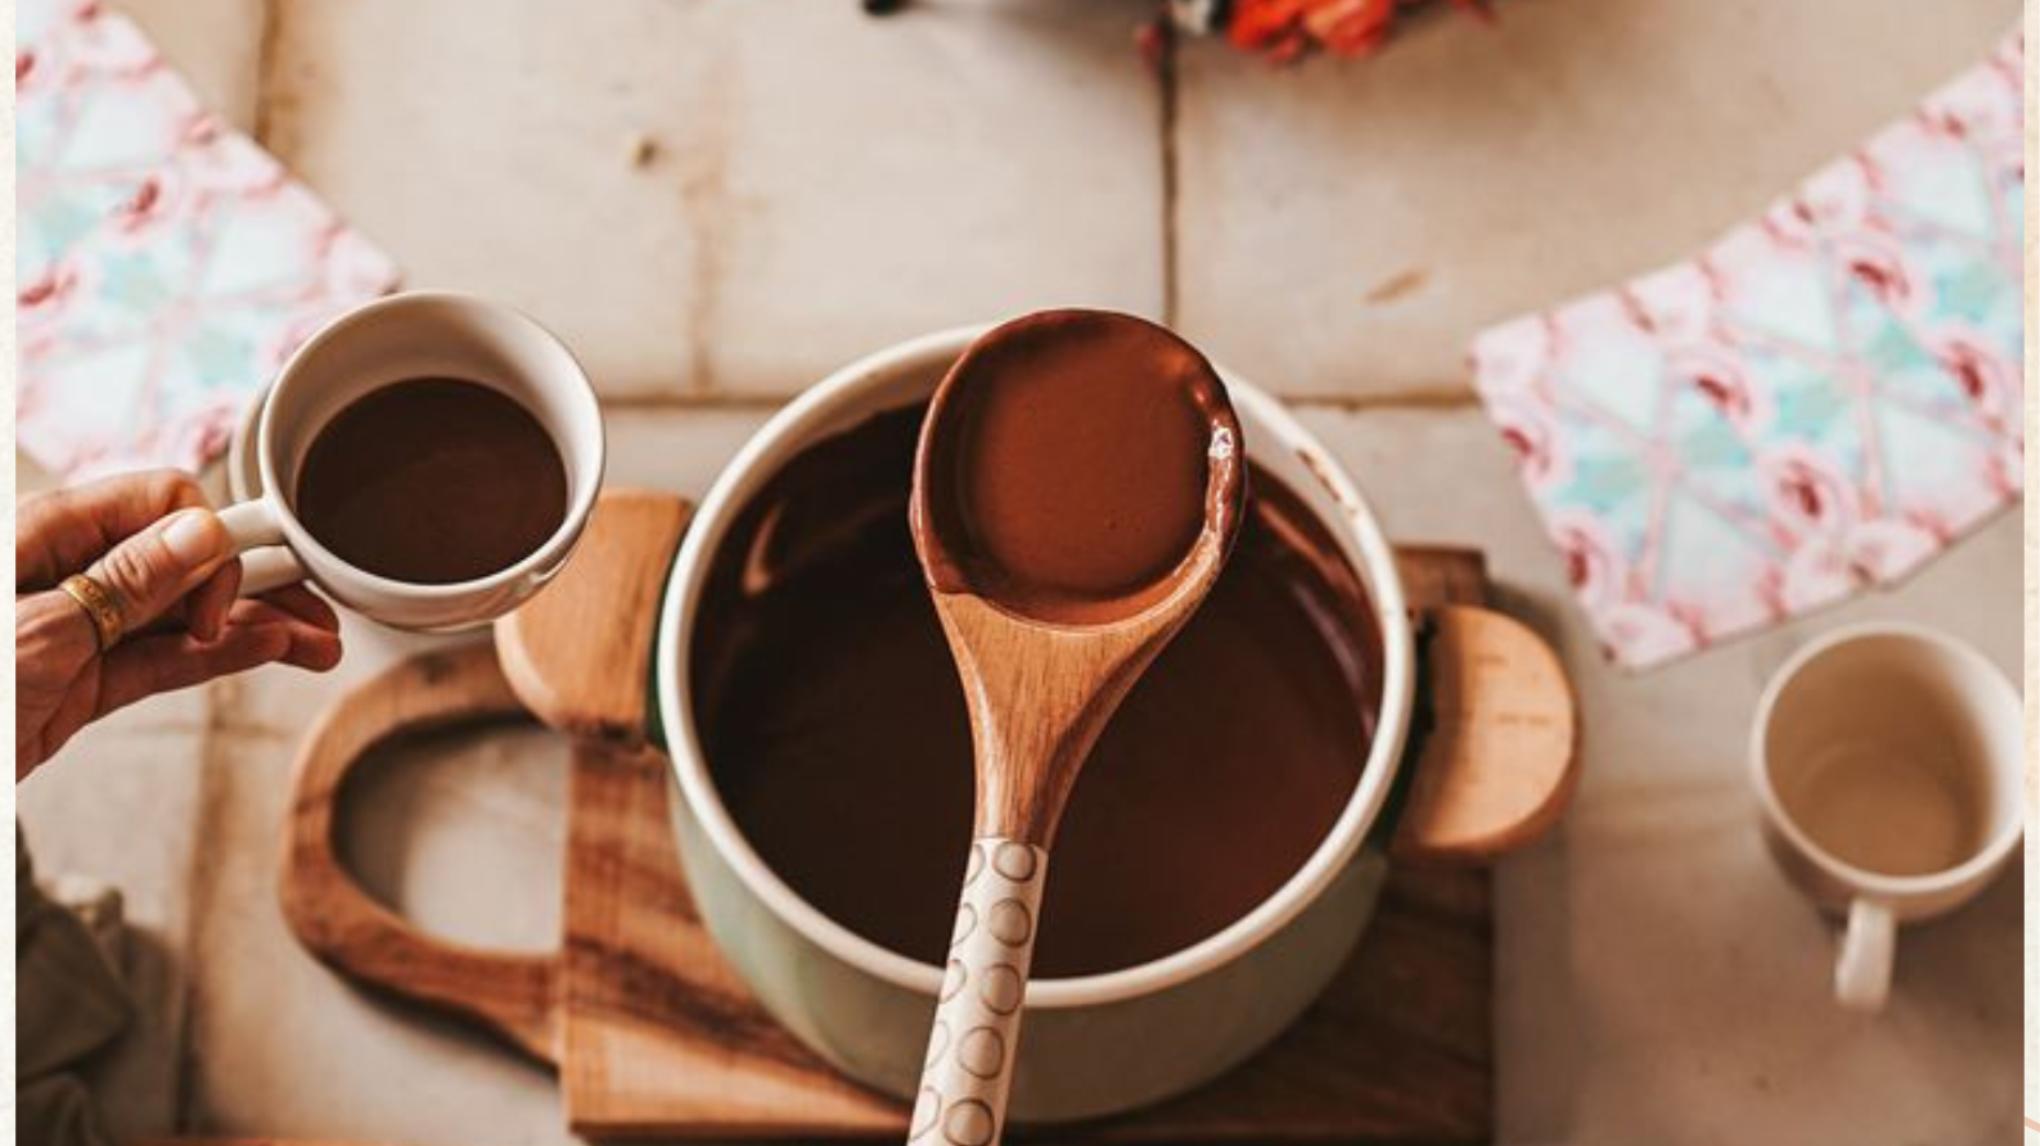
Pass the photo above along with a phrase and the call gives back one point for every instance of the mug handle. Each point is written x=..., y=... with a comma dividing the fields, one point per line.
x=266, y=562
x=1863, y=967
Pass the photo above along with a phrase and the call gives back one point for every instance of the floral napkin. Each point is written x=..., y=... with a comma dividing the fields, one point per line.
x=1821, y=401
x=166, y=265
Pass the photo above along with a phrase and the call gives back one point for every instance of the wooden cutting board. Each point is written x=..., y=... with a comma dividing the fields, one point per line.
x=653, y=1034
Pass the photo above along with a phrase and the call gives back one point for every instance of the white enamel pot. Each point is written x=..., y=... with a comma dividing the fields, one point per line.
x=1096, y=1044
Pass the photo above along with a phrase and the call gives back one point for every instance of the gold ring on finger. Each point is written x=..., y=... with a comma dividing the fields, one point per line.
x=99, y=605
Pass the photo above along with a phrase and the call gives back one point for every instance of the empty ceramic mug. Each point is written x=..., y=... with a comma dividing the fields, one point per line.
x=1887, y=765
x=414, y=335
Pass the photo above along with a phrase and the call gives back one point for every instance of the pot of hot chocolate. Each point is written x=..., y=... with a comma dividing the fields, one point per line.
x=1220, y=856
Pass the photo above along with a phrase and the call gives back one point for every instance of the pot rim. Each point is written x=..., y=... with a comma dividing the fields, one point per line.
x=1341, y=843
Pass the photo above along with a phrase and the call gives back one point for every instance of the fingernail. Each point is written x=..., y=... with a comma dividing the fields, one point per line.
x=194, y=537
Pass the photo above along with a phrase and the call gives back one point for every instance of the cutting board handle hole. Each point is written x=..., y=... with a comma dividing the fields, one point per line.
x=499, y=785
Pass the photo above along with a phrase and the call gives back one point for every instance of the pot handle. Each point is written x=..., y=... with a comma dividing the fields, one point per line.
x=579, y=653
x=1492, y=766
x=514, y=995
x=1489, y=763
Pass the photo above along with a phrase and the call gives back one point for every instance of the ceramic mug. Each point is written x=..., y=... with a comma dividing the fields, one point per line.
x=411, y=335
x=1887, y=761
x=1094, y=1044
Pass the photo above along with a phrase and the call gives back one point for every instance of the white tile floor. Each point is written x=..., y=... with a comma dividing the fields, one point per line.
x=822, y=184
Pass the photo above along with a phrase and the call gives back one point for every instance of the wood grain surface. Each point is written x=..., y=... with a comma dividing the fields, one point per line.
x=1498, y=764
x=656, y=1036
x=578, y=652
x=661, y=1035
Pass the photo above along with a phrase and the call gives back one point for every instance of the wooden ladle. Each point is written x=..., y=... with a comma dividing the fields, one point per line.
x=1078, y=486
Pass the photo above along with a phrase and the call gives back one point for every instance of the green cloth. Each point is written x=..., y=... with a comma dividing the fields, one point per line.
x=69, y=1002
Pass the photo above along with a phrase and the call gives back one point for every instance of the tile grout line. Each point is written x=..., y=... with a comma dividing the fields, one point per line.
x=267, y=44
x=1165, y=76
x=1440, y=399
x=200, y=878
x=661, y=401
x=707, y=209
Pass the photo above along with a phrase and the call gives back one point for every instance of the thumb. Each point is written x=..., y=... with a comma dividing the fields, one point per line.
x=150, y=571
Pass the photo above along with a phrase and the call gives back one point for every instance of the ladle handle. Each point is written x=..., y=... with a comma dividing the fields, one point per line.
x=977, y=1022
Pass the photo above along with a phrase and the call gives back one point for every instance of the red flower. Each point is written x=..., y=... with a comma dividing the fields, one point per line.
x=1283, y=30
x=1272, y=26
x=1351, y=27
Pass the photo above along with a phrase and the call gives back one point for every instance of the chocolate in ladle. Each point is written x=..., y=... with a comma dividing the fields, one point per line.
x=1072, y=459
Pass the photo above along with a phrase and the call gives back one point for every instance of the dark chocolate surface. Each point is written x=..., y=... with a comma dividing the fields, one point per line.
x=432, y=481
x=835, y=730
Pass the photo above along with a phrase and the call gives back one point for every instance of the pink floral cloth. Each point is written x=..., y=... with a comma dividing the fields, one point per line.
x=1821, y=401
x=166, y=265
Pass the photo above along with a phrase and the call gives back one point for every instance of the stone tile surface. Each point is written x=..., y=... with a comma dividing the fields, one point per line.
x=216, y=44
x=1659, y=981
x=679, y=450
x=1344, y=229
x=731, y=198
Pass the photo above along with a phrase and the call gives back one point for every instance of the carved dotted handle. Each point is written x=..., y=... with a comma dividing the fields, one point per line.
x=977, y=1023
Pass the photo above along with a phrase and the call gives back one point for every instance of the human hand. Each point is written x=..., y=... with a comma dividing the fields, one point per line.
x=166, y=562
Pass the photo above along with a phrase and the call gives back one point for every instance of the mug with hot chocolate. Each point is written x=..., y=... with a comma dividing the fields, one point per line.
x=428, y=460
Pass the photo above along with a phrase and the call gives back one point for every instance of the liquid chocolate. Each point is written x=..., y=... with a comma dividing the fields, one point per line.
x=432, y=481
x=835, y=728
x=1067, y=464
